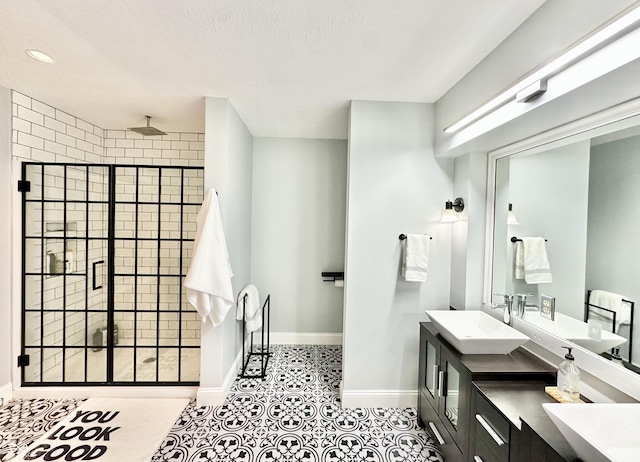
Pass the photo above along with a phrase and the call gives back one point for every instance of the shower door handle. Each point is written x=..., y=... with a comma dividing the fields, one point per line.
x=95, y=280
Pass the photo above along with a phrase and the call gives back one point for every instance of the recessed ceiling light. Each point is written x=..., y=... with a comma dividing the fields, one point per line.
x=40, y=56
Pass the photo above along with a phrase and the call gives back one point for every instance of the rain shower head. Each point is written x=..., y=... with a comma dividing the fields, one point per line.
x=148, y=130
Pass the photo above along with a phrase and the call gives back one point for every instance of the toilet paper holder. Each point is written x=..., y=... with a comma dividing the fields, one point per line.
x=332, y=276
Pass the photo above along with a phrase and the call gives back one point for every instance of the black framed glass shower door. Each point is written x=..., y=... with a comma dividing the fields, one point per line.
x=105, y=251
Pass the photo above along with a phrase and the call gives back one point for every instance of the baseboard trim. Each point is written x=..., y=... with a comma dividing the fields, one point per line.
x=104, y=392
x=215, y=396
x=379, y=398
x=305, y=338
x=6, y=393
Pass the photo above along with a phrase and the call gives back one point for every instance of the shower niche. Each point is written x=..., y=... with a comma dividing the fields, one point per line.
x=105, y=251
x=60, y=252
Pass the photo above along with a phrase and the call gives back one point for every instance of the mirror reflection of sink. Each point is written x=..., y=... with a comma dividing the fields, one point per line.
x=599, y=432
x=575, y=331
x=476, y=332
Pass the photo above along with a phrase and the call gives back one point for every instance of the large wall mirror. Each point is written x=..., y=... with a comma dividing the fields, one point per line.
x=581, y=194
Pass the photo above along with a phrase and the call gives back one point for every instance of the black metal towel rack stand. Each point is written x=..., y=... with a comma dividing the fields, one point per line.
x=263, y=352
x=587, y=310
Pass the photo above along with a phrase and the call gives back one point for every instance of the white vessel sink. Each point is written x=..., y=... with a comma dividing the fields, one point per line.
x=475, y=332
x=599, y=432
x=575, y=331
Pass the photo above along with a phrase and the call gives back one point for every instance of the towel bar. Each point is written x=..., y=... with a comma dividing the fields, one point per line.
x=402, y=237
x=515, y=239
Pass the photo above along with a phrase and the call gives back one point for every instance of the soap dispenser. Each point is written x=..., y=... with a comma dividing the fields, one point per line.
x=569, y=378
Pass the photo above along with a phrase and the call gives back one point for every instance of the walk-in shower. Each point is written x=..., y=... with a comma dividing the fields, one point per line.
x=105, y=252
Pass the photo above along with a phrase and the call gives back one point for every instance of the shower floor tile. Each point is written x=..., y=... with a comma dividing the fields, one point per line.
x=145, y=371
x=295, y=415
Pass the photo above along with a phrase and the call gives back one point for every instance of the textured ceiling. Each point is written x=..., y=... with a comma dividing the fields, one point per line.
x=289, y=67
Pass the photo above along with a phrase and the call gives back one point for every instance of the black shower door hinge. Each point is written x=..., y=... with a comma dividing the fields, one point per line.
x=23, y=360
x=24, y=186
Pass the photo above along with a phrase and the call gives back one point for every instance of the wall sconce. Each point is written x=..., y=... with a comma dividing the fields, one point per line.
x=511, y=217
x=451, y=210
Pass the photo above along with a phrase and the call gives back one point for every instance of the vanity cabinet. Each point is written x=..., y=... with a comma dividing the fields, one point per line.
x=445, y=388
x=444, y=384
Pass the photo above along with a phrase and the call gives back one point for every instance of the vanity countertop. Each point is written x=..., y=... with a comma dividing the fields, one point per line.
x=518, y=362
x=521, y=401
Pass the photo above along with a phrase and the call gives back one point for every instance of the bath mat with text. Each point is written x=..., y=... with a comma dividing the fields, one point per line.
x=108, y=430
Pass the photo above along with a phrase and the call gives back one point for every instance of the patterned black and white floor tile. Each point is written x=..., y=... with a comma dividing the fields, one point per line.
x=295, y=415
x=24, y=421
x=292, y=416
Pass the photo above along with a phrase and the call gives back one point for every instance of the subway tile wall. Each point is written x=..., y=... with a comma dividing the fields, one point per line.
x=126, y=147
x=42, y=133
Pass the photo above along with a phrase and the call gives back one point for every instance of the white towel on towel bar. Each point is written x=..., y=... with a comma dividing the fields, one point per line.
x=610, y=301
x=531, y=261
x=415, y=258
x=208, y=281
x=253, y=311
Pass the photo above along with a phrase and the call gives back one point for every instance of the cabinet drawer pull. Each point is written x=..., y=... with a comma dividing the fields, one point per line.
x=435, y=378
x=477, y=459
x=490, y=430
x=437, y=433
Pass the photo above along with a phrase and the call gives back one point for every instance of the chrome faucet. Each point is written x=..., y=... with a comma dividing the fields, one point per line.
x=521, y=305
x=507, y=305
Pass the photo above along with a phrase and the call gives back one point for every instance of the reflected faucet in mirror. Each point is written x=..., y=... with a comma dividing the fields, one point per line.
x=522, y=305
x=507, y=305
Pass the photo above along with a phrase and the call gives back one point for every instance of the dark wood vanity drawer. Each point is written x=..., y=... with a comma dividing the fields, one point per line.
x=434, y=426
x=482, y=453
x=491, y=431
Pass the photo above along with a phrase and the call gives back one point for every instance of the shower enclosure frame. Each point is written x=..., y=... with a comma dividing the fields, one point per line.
x=111, y=274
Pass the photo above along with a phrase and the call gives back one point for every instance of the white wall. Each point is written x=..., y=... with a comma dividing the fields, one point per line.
x=467, y=247
x=6, y=184
x=395, y=185
x=236, y=215
x=228, y=166
x=299, y=209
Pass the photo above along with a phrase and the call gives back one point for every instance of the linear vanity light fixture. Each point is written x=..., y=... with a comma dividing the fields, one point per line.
x=511, y=217
x=451, y=210
x=536, y=82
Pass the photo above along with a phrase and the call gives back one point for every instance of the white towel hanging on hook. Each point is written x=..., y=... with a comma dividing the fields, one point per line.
x=208, y=280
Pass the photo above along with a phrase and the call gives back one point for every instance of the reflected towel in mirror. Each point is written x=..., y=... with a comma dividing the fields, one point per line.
x=531, y=261
x=613, y=302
